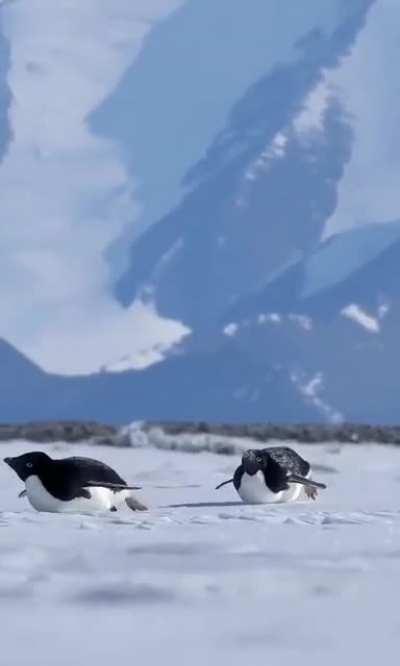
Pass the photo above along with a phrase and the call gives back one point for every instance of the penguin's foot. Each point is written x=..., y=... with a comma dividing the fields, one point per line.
x=134, y=504
x=311, y=492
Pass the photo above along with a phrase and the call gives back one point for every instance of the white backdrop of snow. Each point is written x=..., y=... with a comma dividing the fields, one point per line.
x=202, y=578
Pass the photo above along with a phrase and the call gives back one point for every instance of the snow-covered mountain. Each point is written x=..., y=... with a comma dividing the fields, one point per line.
x=333, y=320
x=200, y=209
x=260, y=196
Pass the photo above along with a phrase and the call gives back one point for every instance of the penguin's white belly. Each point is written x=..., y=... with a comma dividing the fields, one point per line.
x=101, y=499
x=254, y=491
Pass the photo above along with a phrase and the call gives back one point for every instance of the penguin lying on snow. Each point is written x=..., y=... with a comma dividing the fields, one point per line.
x=274, y=474
x=72, y=484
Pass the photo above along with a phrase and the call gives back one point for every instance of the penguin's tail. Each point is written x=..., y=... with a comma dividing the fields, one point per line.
x=295, y=478
x=130, y=499
x=133, y=503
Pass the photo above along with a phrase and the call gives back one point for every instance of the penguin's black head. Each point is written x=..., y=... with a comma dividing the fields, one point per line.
x=253, y=461
x=28, y=464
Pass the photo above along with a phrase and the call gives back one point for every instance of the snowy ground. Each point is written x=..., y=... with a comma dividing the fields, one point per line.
x=202, y=578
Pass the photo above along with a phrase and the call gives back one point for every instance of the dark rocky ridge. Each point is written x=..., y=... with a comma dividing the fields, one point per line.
x=81, y=431
x=54, y=431
x=302, y=432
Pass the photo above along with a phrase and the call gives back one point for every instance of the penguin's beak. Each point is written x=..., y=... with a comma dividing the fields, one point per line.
x=11, y=463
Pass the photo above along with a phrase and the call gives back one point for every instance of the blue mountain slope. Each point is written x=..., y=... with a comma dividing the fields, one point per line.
x=359, y=266
x=345, y=334
x=247, y=215
x=218, y=386
x=194, y=66
x=285, y=327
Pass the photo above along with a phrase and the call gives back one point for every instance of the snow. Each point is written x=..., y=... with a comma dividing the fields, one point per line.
x=225, y=52
x=275, y=150
x=76, y=190
x=302, y=320
x=345, y=253
x=308, y=123
x=358, y=315
x=310, y=120
x=278, y=144
x=66, y=193
x=202, y=577
x=168, y=256
x=383, y=309
x=155, y=338
x=368, y=191
x=272, y=317
x=231, y=329
x=311, y=388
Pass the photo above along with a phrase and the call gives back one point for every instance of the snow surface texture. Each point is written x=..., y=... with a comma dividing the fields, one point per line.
x=202, y=578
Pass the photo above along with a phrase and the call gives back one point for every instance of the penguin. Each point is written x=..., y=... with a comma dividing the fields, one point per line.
x=68, y=485
x=274, y=474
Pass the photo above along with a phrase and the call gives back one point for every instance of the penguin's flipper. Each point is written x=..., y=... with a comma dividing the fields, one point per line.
x=224, y=483
x=111, y=486
x=23, y=493
x=295, y=478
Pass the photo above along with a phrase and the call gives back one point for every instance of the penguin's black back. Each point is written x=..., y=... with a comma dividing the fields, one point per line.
x=66, y=478
x=288, y=459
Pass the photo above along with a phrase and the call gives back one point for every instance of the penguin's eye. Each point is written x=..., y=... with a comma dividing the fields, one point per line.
x=259, y=459
x=29, y=464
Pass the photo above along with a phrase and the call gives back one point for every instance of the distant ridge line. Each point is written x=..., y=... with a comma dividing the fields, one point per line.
x=104, y=434
x=301, y=432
